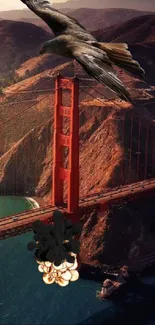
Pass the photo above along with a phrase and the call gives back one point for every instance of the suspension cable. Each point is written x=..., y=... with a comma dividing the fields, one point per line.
x=19, y=113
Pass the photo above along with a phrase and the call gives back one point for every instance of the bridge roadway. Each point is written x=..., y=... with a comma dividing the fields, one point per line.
x=25, y=219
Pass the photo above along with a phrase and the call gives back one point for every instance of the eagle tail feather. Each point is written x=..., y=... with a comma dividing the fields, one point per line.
x=119, y=54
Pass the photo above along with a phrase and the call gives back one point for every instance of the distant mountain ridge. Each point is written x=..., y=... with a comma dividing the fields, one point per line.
x=19, y=42
x=139, y=30
x=90, y=18
x=98, y=4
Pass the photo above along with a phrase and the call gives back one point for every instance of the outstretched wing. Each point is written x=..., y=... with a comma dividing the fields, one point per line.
x=98, y=65
x=56, y=20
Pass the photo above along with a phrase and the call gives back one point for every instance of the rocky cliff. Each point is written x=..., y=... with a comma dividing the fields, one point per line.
x=125, y=234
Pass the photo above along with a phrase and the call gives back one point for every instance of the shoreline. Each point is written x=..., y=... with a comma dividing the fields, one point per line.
x=40, y=201
x=33, y=202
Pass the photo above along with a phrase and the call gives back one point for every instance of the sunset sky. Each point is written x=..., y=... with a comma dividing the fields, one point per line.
x=16, y=4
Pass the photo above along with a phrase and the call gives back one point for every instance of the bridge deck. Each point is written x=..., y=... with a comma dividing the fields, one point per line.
x=119, y=193
x=25, y=219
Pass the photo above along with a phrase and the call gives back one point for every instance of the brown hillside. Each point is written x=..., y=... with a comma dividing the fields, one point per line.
x=94, y=19
x=124, y=236
x=39, y=64
x=29, y=102
x=25, y=106
x=20, y=156
x=19, y=42
x=22, y=15
x=25, y=15
x=138, y=30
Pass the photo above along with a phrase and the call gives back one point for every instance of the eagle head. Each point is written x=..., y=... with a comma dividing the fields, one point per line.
x=49, y=47
x=44, y=49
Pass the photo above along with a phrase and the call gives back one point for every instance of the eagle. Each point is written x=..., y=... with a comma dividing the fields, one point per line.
x=72, y=40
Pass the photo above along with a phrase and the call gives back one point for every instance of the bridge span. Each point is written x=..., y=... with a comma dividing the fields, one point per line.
x=9, y=227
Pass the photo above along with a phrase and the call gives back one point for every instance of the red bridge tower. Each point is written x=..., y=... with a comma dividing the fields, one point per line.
x=60, y=174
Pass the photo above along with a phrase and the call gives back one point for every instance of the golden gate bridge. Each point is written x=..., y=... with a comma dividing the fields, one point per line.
x=140, y=149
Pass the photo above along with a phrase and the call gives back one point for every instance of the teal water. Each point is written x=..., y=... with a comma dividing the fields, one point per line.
x=25, y=299
x=15, y=204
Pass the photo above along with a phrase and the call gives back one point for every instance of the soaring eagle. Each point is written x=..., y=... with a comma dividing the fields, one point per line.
x=74, y=41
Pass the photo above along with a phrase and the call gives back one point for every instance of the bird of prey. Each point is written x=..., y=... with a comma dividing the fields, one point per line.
x=74, y=41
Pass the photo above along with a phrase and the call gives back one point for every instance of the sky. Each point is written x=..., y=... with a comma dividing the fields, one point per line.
x=16, y=4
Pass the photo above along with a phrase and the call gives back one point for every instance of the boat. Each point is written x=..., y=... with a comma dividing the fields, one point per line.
x=109, y=286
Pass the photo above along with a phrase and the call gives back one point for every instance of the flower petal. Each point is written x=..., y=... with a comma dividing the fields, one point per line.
x=74, y=275
x=64, y=267
x=41, y=268
x=48, y=264
x=73, y=254
x=54, y=274
x=40, y=262
x=69, y=264
x=75, y=265
x=66, y=275
x=62, y=282
x=48, y=279
x=59, y=274
x=46, y=269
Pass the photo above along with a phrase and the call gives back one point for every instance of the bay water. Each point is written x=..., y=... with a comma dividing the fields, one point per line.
x=25, y=299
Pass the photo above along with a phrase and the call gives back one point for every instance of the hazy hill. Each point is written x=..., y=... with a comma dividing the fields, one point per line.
x=38, y=64
x=90, y=18
x=26, y=16
x=137, y=30
x=98, y=4
x=21, y=14
x=19, y=41
x=95, y=18
x=27, y=103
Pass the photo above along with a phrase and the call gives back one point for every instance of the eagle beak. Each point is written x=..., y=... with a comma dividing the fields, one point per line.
x=42, y=51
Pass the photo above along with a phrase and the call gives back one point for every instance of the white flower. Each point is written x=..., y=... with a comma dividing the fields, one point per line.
x=61, y=274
